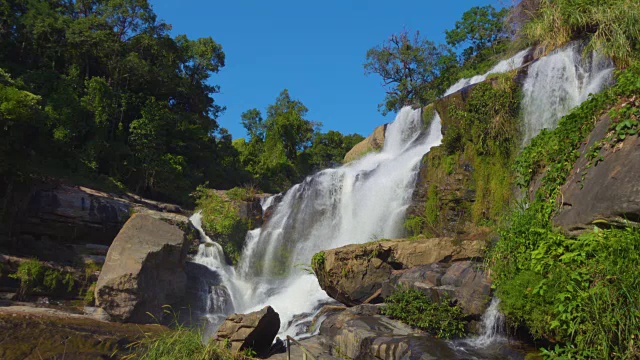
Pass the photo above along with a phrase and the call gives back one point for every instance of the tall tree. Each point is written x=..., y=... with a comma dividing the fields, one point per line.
x=410, y=66
x=480, y=31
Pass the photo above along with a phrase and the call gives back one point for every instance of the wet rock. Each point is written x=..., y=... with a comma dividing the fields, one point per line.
x=144, y=270
x=255, y=331
x=609, y=193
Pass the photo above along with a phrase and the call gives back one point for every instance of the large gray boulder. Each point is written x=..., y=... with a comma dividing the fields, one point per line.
x=354, y=274
x=144, y=270
x=255, y=331
x=607, y=194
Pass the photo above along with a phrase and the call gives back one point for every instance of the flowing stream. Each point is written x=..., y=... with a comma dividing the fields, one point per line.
x=366, y=200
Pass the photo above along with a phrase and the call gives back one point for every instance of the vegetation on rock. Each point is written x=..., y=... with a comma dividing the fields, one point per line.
x=580, y=291
x=441, y=319
x=221, y=219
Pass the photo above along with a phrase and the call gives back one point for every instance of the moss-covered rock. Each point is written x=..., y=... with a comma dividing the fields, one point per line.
x=227, y=216
x=30, y=333
x=466, y=183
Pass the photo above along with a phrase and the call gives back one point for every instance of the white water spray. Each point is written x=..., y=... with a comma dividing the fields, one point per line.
x=559, y=82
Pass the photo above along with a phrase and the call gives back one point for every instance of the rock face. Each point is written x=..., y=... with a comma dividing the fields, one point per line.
x=354, y=274
x=609, y=194
x=374, y=142
x=75, y=214
x=255, y=330
x=66, y=214
x=144, y=270
x=42, y=333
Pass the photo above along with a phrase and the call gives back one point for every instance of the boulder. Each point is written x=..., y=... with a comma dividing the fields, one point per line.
x=255, y=331
x=374, y=142
x=607, y=194
x=354, y=273
x=144, y=270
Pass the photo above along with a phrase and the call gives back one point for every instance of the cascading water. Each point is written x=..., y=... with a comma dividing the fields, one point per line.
x=367, y=199
x=502, y=67
x=492, y=324
x=557, y=83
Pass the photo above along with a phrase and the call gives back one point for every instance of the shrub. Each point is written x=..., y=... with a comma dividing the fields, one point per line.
x=221, y=220
x=581, y=292
x=442, y=319
x=610, y=26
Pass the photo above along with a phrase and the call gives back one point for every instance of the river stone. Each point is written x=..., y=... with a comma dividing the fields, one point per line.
x=255, y=331
x=144, y=270
x=609, y=194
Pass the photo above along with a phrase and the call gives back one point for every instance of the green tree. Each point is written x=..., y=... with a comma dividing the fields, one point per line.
x=480, y=31
x=410, y=67
x=328, y=149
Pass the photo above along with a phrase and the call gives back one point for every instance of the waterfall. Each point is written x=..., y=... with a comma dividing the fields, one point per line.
x=502, y=67
x=356, y=203
x=557, y=83
x=492, y=325
x=367, y=199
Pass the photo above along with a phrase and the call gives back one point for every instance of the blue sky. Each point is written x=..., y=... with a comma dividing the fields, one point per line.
x=313, y=48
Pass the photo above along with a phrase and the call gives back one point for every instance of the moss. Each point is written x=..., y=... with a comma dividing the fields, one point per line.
x=317, y=261
x=468, y=179
x=221, y=220
x=53, y=337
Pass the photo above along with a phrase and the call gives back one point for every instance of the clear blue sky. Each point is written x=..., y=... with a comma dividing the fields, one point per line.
x=313, y=48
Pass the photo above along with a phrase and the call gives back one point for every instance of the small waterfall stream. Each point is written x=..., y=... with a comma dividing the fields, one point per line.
x=559, y=82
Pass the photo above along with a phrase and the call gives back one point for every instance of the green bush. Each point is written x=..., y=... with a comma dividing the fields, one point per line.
x=414, y=308
x=34, y=276
x=581, y=292
x=222, y=221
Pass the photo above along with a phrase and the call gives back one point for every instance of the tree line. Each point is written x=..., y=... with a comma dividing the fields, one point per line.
x=99, y=90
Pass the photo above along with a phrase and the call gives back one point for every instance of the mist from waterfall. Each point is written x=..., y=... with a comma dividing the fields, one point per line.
x=559, y=82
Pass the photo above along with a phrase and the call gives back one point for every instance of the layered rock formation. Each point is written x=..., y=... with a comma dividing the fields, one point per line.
x=439, y=267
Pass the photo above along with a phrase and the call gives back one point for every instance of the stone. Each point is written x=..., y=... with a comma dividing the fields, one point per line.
x=609, y=194
x=44, y=333
x=353, y=273
x=255, y=331
x=374, y=142
x=144, y=270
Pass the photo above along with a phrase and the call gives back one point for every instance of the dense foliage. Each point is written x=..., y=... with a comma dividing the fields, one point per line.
x=284, y=147
x=579, y=291
x=411, y=306
x=99, y=88
x=99, y=93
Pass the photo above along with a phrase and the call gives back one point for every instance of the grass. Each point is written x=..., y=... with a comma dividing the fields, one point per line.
x=181, y=343
x=611, y=27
